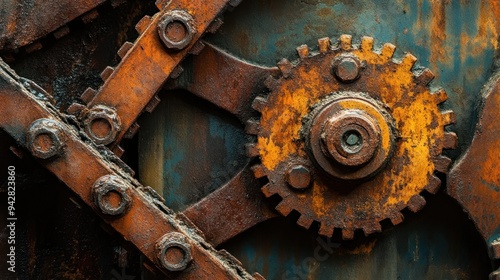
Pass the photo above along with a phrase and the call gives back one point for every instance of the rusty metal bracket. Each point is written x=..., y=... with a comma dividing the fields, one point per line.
x=130, y=88
x=117, y=198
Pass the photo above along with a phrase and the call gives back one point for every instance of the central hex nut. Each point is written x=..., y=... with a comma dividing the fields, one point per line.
x=102, y=124
x=346, y=68
x=176, y=29
x=351, y=138
x=45, y=138
x=111, y=195
x=174, y=251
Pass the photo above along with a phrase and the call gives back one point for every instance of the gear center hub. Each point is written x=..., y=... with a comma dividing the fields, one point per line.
x=350, y=137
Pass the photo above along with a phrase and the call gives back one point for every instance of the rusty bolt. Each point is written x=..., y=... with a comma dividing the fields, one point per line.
x=346, y=68
x=102, y=124
x=173, y=251
x=176, y=29
x=298, y=177
x=111, y=195
x=45, y=138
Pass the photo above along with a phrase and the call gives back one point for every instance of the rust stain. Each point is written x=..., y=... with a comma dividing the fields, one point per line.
x=438, y=33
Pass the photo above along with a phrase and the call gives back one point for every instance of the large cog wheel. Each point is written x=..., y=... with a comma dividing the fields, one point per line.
x=349, y=137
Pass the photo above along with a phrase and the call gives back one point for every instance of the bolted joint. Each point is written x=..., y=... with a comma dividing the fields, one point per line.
x=347, y=68
x=173, y=252
x=111, y=195
x=102, y=124
x=298, y=177
x=45, y=138
x=176, y=29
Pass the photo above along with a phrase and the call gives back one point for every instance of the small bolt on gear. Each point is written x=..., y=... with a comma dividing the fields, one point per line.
x=349, y=136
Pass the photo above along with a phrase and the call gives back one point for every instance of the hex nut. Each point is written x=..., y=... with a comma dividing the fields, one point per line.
x=111, y=195
x=102, y=124
x=176, y=29
x=298, y=177
x=347, y=68
x=168, y=248
x=45, y=138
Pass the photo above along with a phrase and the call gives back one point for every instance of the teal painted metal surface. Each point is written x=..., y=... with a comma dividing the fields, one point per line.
x=188, y=148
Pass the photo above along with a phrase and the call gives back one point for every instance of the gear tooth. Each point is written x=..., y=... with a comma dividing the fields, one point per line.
x=408, y=61
x=90, y=16
x=197, y=48
x=124, y=49
x=75, y=109
x=372, y=228
x=450, y=140
x=252, y=150
x=106, y=73
x=61, y=32
x=326, y=230
x=132, y=131
x=425, y=77
x=143, y=24
x=88, y=95
x=267, y=191
x=433, y=184
x=440, y=96
x=252, y=127
x=396, y=218
x=366, y=43
x=152, y=104
x=161, y=4
x=416, y=203
x=118, y=151
x=215, y=25
x=442, y=164
x=33, y=47
x=345, y=42
x=347, y=234
x=448, y=117
x=285, y=67
x=304, y=221
x=271, y=83
x=259, y=171
x=303, y=51
x=259, y=103
x=284, y=208
x=324, y=44
x=388, y=51
x=178, y=70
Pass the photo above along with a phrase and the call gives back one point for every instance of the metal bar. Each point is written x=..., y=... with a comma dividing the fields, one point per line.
x=112, y=193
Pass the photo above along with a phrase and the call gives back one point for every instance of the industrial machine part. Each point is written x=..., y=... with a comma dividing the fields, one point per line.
x=341, y=140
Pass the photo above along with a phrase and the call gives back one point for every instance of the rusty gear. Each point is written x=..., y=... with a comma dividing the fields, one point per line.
x=365, y=125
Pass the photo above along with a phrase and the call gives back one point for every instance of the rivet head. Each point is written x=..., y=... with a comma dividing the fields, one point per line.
x=173, y=251
x=111, y=195
x=176, y=29
x=102, y=124
x=298, y=177
x=347, y=68
x=45, y=138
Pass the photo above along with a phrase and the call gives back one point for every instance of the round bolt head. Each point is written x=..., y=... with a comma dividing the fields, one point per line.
x=298, y=177
x=102, y=124
x=173, y=251
x=176, y=29
x=111, y=195
x=347, y=68
x=45, y=138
